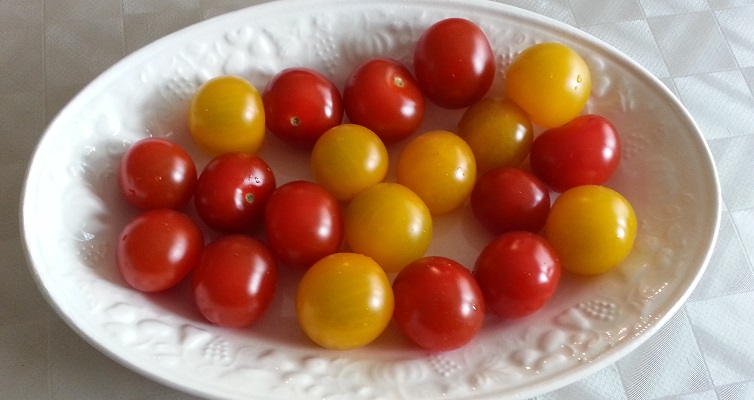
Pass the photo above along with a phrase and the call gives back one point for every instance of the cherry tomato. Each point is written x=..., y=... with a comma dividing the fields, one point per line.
x=348, y=159
x=518, y=273
x=389, y=223
x=156, y=173
x=499, y=133
x=454, y=63
x=550, y=81
x=234, y=283
x=438, y=304
x=344, y=301
x=303, y=223
x=300, y=104
x=157, y=249
x=585, y=151
x=232, y=191
x=382, y=95
x=226, y=115
x=440, y=168
x=509, y=199
x=592, y=228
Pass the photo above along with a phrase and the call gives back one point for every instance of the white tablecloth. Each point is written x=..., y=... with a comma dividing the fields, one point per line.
x=703, y=50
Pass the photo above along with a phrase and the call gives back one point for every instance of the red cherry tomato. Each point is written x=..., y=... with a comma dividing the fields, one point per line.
x=518, y=272
x=300, y=104
x=303, y=223
x=156, y=173
x=234, y=283
x=509, y=199
x=585, y=151
x=232, y=191
x=157, y=249
x=438, y=304
x=454, y=63
x=382, y=95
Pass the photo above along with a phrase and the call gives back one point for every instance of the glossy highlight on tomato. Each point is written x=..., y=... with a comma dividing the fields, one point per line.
x=157, y=249
x=438, y=303
x=300, y=104
x=454, y=63
x=550, y=81
x=592, y=228
x=235, y=281
x=344, y=301
x=156, y=173
x=226, y=115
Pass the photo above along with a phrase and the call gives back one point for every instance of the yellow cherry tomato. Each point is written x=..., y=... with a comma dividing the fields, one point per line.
x=389, y=223
x=347, y=159
x=499, y=133
x=592, y=229
x=344, y=301
x=440, y=168
x=226, y=115
x=549, y=81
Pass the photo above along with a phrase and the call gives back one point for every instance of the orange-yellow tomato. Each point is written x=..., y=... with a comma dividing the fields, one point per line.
x=226, y=115
x=389, y=223
x=440, y=168
x=551, y=82
x=499, y=133
x=344, y=301
x=347, y=159
x=592, y=229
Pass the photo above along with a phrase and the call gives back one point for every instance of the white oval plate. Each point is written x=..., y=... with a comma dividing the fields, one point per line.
x=72, y=213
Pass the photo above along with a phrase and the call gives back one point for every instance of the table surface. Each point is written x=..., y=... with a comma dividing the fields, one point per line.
x=703, y=50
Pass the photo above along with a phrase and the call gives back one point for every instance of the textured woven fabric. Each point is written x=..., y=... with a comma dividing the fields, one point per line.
x=703, y=50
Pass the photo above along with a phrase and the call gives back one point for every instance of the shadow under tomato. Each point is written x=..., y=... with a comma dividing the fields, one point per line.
x=105, y=212
x=278, y=325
